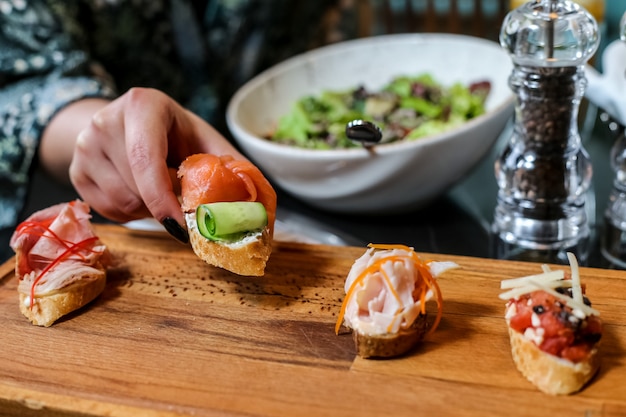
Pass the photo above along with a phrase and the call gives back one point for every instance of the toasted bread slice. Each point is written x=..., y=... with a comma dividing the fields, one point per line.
x=551, y=374
x=48, y=308
x=389, y=345
x=246, y=257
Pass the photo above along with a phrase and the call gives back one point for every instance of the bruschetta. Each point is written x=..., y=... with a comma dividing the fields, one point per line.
x=387, y=289
x=230, y=211
x=553, y=330
x=60, y=262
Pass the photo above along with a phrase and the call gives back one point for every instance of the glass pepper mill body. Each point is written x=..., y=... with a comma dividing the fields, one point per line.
x=544, y=173
x=613, y=242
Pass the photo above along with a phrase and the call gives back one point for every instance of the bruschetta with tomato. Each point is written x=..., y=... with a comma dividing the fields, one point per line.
x=60, y=262
x=230, y=210
x=387, y=289
x=553, y=329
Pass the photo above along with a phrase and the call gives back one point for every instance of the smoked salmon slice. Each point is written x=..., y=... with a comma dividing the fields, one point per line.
x=206, y=178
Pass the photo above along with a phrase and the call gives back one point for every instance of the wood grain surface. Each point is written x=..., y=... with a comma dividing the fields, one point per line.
x=172, y=336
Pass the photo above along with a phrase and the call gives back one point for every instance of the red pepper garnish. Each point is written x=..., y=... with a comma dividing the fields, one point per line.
x=71, y=249
x=30, y=227
x=31, y=223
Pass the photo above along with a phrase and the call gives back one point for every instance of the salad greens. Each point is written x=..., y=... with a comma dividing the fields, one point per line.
x=408, y=108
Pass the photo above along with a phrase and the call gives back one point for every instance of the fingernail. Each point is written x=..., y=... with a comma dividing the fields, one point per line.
x=175, y=229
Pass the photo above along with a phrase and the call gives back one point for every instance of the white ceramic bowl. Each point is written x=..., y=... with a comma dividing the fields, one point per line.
x=396, y=176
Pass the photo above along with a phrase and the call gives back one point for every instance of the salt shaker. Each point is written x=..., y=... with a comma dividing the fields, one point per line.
x=544, y=173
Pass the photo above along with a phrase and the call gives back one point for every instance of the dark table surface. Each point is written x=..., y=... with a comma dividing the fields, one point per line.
x=457, y=223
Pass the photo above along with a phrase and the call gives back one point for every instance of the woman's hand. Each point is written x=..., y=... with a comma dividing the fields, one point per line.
x=124, y=163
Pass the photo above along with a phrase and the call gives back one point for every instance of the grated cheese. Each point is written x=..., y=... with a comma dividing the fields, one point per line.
x=570, y=301
x=545, y=277
x=532, y=286
x=577, y=292
x=548, y=281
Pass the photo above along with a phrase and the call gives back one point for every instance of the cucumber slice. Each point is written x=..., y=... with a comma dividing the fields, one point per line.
x=230, y=221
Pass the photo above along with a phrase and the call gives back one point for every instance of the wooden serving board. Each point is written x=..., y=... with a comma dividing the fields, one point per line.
x=172, y=336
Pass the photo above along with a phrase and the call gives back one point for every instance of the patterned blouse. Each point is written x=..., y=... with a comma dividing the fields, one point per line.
x=55, y=52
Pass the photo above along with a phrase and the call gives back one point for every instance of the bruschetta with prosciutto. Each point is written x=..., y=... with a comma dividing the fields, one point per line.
x=553, y=329
x=60, y=262
x=387, y=289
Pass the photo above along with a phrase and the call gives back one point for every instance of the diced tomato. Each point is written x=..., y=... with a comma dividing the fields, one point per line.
x=575, y=353
x=542, y=298
x=562, y=337
x=594, y=325
x=553, y=326
x=521, y=321
x=554, y=345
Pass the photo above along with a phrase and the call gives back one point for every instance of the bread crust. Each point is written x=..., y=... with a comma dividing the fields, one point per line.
x=243, y=259
x=549, y=373
x=50, y=307
x=391, y=344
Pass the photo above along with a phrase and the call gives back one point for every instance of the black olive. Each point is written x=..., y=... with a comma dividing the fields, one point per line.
x=539, y=309
x=592, y=337
x=565, y=291
x=364, y=132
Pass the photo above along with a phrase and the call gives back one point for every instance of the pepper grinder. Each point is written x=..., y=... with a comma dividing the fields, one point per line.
x=544, y=173
x=613, y=241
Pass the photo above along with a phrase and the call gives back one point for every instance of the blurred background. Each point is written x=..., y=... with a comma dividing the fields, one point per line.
x=468, y=207
x=363, y=18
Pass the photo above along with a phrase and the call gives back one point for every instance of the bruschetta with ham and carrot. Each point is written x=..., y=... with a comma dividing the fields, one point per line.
x=60, y=262
x=553, y=329
x=387, y=289
x=230, y=210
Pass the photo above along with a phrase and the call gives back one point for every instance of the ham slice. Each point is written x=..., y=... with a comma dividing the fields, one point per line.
x=383, y=302
x=43, y=245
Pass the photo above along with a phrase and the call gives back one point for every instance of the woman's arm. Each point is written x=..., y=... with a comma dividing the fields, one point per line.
x=59, y=137
x=43, y=69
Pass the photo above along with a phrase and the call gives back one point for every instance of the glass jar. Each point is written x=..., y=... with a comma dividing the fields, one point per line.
x=597, y=8
x=544, y=173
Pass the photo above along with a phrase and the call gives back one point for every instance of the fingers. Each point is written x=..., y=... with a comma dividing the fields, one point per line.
x=124, y=164
x=153, y=128
x=100, y=183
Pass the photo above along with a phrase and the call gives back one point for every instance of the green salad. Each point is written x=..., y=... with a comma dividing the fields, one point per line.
x=407, y=108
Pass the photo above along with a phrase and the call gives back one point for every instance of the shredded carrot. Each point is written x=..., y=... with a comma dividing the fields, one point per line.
x=427, y=283
x=423, y=302
x=393, y=320
x=439, y=309
x=392, y=289
x=395, y=294
x=83, y=244
x=432, y=284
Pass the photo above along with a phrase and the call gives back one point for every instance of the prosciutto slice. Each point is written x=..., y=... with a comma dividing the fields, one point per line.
x=384, y=301
x=55, y=247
